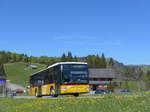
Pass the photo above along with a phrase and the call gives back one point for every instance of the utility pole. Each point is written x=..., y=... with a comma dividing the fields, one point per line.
x=3, y=87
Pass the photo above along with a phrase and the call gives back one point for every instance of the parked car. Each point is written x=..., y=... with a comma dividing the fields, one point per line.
x=19, y=91
x=126, y=91
x=11, y=93
x=102, y=91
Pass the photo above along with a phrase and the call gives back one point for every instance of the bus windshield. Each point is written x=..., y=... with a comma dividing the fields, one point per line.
x=75, y=74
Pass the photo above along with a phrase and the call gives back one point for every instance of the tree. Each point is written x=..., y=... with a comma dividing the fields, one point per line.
x=13, y=57
x=9, y=56
x=69, y=57
x=25, y=58
x=75, y=59
x=127, y=75
x=33, y=59
x=18, y=57
x=147, y=80
x=2, y=71
x=94, y=61
x=63, y=58
x=97, y=61
x=111, y=62
x=43, y=60
x=90, y=61
x=103, y=61
x=51, y=61
x=138, y=74
x=3, y=57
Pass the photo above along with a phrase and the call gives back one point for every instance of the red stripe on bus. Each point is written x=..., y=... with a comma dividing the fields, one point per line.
x=47, y=84
x=75, y=85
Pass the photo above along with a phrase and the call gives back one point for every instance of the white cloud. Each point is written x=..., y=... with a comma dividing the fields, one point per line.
x=111, y=43
x=88, y=41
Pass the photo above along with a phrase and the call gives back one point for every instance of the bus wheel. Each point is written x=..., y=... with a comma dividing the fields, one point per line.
x=52, y=93
x=37, y=93
x=76, y=94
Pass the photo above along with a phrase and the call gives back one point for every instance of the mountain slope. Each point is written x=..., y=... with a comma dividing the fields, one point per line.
x=17, y=74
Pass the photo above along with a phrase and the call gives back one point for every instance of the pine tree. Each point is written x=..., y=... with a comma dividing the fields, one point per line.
x=69, y=57
x=25, y=58
x=90, y=61
x=111, y=62
x=97, y=61
x=75, y=59
x=2, y=71
x=103, y=61
x=63, y=58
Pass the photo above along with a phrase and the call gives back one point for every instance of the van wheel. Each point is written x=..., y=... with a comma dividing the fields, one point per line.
x=52, y=93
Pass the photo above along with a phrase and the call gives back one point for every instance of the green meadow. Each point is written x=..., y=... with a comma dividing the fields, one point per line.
x=100, y=103
x=17, y=73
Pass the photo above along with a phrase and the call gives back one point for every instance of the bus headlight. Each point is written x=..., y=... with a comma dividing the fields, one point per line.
x=87, y=88
x=64, y=89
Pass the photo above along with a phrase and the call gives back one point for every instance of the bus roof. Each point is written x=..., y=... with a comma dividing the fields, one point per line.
x=63, y=63
x=60, y=63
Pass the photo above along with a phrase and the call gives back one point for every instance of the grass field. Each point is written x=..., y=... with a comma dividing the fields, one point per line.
x=108, y=103
x=16, y=73
x=134, y=85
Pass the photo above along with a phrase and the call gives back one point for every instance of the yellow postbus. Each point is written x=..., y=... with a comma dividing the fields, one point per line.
x=62, y=78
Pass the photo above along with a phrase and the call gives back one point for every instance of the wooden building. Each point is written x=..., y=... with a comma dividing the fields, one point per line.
x=100, y=78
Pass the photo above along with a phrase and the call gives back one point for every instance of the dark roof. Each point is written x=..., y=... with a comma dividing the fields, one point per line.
x=101, y=73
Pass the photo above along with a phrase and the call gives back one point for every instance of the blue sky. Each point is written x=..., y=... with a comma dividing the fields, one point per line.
x=118, y=28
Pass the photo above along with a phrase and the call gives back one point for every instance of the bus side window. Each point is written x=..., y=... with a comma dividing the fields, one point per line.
x=50, y=75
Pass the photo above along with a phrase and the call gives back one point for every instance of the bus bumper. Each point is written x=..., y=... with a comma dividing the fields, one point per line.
x=70, y=89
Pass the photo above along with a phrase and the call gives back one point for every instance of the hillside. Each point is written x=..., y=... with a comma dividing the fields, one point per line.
x=17, y=74
x=144, y=68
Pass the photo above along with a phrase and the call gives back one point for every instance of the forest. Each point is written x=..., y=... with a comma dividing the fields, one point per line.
x=123, y=72
x=94, y=61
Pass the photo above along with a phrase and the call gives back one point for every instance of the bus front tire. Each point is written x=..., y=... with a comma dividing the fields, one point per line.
x=37, y=93
x=76, y=94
